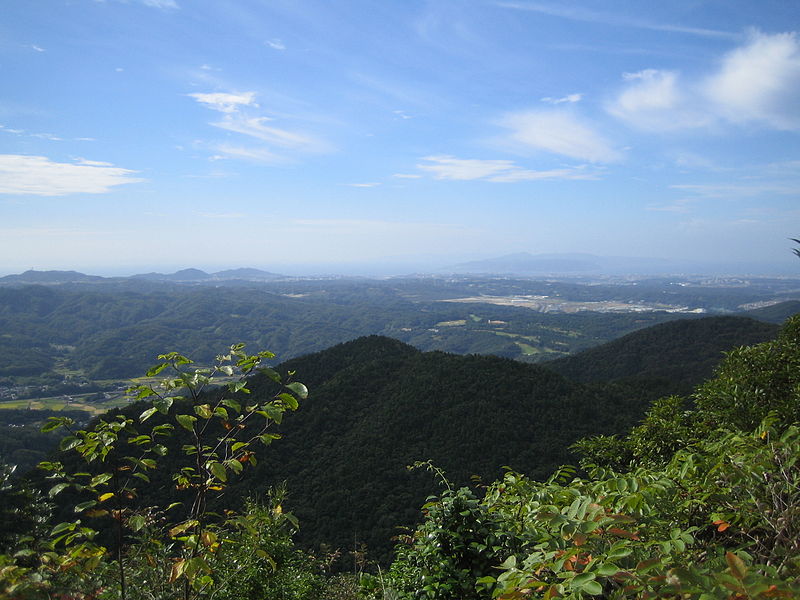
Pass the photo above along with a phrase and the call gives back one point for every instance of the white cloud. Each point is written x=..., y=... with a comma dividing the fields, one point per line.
x=559, y=132
x=276, y=44
x=238, y=117
x=406, y=176
x=500, y=171
x=160, y=3
x=739, y=190
x=574, y=13
x=259, y=155
x=39, y=176
x=42, y=136
x=37, y=48
x=255, y=127
x=226, y=103
x=363, y=185
x=760, y=81
x=570, y=98
x=654, y=101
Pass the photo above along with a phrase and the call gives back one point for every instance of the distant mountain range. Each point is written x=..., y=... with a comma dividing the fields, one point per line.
x=182, y=276
x=525, y=263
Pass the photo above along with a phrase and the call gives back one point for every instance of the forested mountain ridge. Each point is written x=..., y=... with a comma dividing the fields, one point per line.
x=113, y=330
x=380, y=403
x=669, y=358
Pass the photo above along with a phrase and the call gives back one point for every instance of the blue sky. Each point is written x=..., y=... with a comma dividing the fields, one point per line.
x=161, y=134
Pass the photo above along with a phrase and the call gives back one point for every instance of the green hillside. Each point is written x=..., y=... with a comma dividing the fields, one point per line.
x=378, y=405
x=670, y=358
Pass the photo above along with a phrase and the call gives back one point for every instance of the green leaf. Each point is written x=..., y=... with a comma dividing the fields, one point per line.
x=203, y=411
x=52, y=424
x=289, y=401
x=271, y=373
x=580, y=581
x=69, y=442
x=136, y=522
x=232, y=404
x=85, y=505
x=234, y=465
x=186, y=421
x=163, y=404
x=61, y=527
x=155, y=370
x=100, y=479
x=218, y=470
x=299, y=389
x=56, y=489
x=147, y=414
x=607, y=570
x=593, y=588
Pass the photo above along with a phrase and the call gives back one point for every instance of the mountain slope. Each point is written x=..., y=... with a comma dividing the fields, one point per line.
x=377, y=405
x=671, y=357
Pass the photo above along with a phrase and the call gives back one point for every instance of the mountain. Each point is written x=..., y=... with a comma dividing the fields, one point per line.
x=50, y=277
x=198, y=276
x=670, y=358
x=378, y=405
x=184, y=275
x=524, y=263
x=775, y=313
x=246, y=274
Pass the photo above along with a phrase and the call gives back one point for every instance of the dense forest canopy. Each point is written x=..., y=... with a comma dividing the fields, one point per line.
x=673, y=506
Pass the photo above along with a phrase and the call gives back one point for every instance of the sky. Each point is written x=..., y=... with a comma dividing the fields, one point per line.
x=140, y=135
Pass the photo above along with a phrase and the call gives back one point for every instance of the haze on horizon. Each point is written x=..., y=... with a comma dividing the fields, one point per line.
x=163, y=134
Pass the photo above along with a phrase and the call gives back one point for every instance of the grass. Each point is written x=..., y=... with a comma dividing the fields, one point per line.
x=451, y=323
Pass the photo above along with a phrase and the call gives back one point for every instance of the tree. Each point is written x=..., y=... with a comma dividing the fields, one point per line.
x=220, y=428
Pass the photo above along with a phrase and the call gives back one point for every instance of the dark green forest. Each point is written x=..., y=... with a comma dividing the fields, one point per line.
x=174, y=490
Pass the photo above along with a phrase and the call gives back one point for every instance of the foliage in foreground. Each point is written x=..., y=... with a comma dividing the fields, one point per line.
x=183, y=550
x=702, y=506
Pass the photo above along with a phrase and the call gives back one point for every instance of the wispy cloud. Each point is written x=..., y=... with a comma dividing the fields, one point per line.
x=499, y=171
x=573, y=13
x=42, y=136
x=226, y=103
x=558, y=132
x=363, y=185
x=37, y=48
x=407, y=176
x=240, y=115
x=276, y=44
x=257, y=127
x=738, y=190
x=39, y=176
x=163, y=4
x=259, y=155
x=571, y=99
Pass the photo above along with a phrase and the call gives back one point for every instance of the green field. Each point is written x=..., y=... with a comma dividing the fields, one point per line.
x=58, y=403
